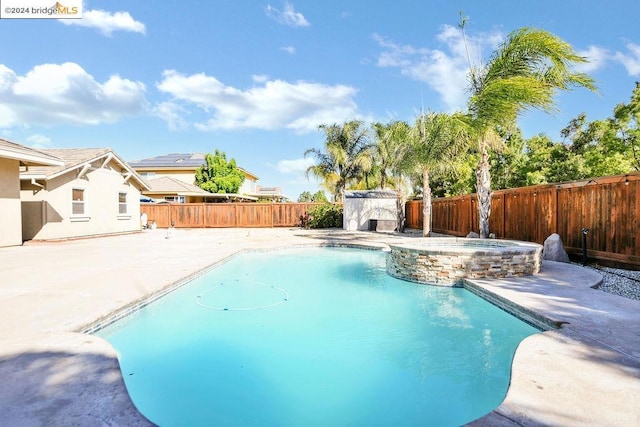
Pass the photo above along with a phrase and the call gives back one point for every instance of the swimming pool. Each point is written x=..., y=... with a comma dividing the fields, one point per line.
x=315, y=336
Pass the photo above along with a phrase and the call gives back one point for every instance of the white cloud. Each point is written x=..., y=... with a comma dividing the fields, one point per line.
x=396, y=55
x=287, y=16
x=597, y=58
x=296, y=166
x=107, y=22
x=289, y=49
x=259, y=78
x=171, y=113
x=8, y=116
x=273, y=104
x=66, y=93
x=444, y=70
x=631, y=60
x=39, y=141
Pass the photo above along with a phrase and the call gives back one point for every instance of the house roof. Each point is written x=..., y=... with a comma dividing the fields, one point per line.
x=272, y=192
x=77, y=158
x=170, y=185
x=27, y=156
x=177, y=161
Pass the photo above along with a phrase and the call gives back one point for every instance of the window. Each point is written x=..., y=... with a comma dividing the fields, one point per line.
x=178, y=199
x=77, y=203
x=122, y=203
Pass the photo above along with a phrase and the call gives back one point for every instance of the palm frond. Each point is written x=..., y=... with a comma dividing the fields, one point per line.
x=524, y=73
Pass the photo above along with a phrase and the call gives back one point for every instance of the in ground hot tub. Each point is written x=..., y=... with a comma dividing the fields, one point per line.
x=446, y=261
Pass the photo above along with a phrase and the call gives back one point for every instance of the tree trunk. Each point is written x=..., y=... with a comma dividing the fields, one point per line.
x=483, y=191
x=400, y=213
x=426, y=204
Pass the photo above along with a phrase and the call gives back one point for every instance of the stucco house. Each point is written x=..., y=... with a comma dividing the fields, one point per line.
x=94, y=192
x=13, y=158
x=174, y=190
x=164, y=174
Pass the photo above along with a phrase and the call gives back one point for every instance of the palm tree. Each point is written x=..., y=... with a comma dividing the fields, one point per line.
x=524, y=72
x=391, y=145
x=437, y=138
x=347, y=158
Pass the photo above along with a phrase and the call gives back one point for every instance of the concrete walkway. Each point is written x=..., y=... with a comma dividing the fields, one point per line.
x=585, y=373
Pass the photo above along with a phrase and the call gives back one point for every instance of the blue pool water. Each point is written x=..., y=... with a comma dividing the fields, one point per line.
x=315, y=337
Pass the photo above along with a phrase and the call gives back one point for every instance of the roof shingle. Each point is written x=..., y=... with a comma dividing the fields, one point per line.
x=26, y=155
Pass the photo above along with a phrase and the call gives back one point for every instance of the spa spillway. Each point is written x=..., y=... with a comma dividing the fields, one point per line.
x=446, y=261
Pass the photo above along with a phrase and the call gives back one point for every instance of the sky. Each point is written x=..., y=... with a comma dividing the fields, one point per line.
x=255, y=78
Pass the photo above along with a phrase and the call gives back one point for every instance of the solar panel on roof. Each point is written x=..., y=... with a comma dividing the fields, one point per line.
x=174, y=159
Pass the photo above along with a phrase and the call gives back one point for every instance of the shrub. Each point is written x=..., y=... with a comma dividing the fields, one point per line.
x=325, y=216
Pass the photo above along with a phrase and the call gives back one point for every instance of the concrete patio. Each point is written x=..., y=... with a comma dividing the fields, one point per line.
x=587, y=372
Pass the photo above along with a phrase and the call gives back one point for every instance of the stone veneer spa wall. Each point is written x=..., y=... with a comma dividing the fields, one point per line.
x=447, y=261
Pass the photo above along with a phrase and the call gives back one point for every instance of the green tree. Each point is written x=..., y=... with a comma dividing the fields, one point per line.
x=218, y=175
x=391, y=145
x=455, y=180
x=610, y=146
x=524, y=72
x=305, y=197
x=346, y=159
x=565, y=165
x=603, y=145
x=319, y=197
x=508, y=160
x=627, y=119
x=437, y=138
x=547, y=162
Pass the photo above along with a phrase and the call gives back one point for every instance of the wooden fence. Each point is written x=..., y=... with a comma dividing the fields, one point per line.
x=221, y=215
x=608, y=207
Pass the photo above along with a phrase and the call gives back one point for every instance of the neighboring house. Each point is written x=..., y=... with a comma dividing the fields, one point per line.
x=182, y=167
x=94, y=192
x=13, y=158
x=270, y=194
x=174, y=190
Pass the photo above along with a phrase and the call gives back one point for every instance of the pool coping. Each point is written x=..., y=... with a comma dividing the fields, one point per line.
x=472, y=246
x=549, y=384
